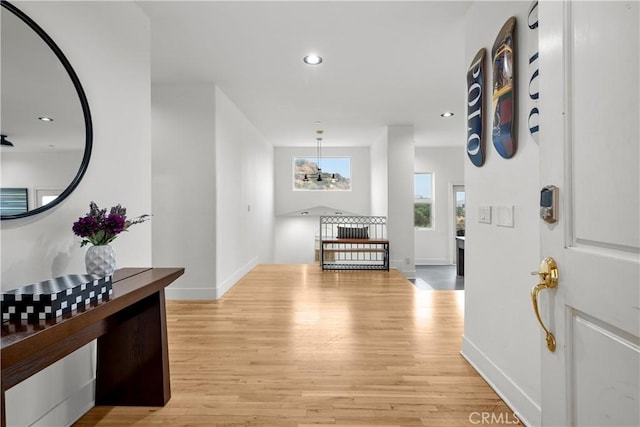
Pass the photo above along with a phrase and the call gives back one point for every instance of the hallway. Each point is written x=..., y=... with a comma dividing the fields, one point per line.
x=292, y=345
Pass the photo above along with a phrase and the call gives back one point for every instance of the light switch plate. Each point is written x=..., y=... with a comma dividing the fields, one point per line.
x=504, y=216
x=484, y=214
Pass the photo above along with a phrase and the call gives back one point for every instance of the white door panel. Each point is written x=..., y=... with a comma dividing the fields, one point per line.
x=598, y=350
x=604, y=286
x=604, y=89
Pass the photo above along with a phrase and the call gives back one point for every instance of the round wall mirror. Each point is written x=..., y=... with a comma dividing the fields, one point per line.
x=45, y=119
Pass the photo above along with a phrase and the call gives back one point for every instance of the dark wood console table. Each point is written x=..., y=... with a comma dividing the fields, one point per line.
x=131, y=329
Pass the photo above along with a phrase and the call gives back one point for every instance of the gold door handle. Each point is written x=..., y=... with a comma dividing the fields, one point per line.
x=548, y=280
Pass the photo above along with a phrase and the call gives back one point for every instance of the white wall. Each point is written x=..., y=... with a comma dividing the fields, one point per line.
x=244, y=195
x=400, y=158
x=113, y=67
x=295, y=239
x=184, y=193
x=501, y=336
x=379, y=176
x=434, y=246
x=212, y=190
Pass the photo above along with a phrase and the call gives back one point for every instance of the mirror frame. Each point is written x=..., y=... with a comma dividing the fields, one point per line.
x=85, y=110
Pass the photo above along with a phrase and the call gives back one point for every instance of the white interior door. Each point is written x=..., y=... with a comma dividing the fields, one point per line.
x=589, y=138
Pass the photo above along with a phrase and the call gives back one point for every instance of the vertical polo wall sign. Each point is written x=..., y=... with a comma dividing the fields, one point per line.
x=534, y=114
x=503, y=55
x=475, y=109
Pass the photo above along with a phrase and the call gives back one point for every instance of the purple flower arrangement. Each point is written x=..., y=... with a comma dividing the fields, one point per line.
x=98, y=228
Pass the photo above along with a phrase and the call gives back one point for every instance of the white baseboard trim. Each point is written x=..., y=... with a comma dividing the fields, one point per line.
x=210, y=293
x=520, y=403
x=432, y=261
x=227, y=284
x=408, y=271
x=71, y=409
x=409, y=274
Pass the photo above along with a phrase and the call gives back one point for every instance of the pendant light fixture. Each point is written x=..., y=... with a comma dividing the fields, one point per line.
x=319, y=175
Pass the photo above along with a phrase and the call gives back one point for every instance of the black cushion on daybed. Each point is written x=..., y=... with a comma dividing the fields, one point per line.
x=353, y=232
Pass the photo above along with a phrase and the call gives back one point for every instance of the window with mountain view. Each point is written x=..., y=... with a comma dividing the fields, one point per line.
x=335, y=173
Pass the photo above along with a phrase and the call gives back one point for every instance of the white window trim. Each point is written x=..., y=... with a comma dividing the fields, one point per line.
x=433, y=202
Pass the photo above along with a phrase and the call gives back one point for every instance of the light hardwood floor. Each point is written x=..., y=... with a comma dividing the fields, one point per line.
x=292, y=345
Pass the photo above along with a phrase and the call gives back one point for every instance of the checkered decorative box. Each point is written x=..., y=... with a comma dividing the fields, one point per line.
x=53, y=298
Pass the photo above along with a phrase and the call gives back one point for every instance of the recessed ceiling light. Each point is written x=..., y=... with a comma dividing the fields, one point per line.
x=45, y=119
x=446, y=114
x=312, y=59
x=304, y=213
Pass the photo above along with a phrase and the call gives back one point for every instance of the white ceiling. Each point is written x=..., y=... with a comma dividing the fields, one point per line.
x=384, y=63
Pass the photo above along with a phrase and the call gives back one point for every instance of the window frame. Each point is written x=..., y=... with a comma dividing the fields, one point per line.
x=424, y=200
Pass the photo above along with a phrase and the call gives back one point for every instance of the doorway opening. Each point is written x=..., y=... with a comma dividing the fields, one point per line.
x=459, y=204
x=448, y=276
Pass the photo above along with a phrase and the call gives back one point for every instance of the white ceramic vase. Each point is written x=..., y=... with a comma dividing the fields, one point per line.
x=100, y=260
